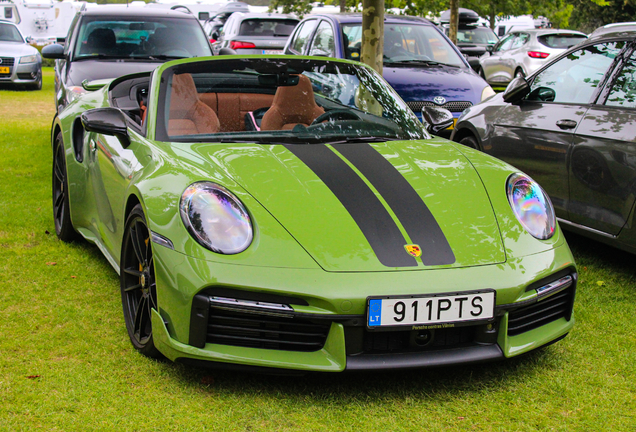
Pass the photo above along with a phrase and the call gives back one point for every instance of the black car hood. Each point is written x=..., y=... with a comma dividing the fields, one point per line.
x=101, y=69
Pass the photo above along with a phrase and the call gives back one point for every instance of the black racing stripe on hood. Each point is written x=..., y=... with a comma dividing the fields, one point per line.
x=360, y=201
x=406, y=203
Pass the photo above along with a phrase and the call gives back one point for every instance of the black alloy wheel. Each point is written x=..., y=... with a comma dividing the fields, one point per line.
x=61, y=214
x=137, y=280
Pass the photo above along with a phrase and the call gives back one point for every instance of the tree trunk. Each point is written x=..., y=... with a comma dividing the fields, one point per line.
x=343, y=6
x=454, y=20
x=373, y=33
x=493, y=14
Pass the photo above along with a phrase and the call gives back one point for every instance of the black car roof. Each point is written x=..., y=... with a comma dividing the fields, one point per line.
x=120, y=11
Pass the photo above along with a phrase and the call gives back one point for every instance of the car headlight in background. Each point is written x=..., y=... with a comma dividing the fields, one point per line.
x=216, y=218
x=29, y=59
x=531, y=205
x=486, y=93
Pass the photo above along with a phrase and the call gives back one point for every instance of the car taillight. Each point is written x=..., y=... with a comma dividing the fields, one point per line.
x=212, y=40
x=538, y=54
x=239, y=45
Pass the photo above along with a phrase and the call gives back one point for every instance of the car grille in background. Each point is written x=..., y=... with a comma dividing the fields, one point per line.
x=543, y=312
x=248, y=329
x=6, y=62
x=400, y=341
x=453, y=106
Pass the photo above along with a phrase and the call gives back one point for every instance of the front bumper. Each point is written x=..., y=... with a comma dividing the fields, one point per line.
x=27, y=73
x=183, y=329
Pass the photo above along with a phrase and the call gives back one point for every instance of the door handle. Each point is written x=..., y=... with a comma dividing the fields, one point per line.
x=566, y=124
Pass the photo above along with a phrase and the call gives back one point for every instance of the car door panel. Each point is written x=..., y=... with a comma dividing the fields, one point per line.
x=526, y=135
x=603, y=161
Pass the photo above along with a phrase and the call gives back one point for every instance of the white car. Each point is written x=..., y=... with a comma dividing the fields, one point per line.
x=522, y=52
x=20, y=63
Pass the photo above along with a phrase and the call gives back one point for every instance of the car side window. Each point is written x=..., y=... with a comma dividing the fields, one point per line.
x=302, y=36
x=323, y=44
x=505, y=43
x=623, y=93
x=520, y=40
x=575, y=77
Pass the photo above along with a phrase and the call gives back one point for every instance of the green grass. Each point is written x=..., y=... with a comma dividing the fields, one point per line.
x=66, y=363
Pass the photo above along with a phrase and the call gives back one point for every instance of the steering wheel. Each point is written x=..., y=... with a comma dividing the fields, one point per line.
x=336, y=114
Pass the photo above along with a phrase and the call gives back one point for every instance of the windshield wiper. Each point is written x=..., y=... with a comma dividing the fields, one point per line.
x=156, y=57
x=419, y=61
x=100, y=57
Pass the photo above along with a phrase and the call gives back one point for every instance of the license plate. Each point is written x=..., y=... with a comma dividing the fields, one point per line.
x=4, y=70
x=272, y=51
x=453, y=125
x=431, y=311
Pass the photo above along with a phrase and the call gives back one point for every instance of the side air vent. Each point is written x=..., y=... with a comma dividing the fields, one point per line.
x=541, y=313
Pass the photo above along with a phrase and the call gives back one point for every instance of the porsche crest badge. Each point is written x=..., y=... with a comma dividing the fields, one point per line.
x=413, y=250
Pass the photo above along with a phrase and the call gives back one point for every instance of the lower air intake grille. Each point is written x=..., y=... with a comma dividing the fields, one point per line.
x=25, y=76
x=541, y=313
x=403, y=341
x=238, y=328
x=454, y=106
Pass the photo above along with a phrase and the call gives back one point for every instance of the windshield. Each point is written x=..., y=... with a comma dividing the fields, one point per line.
x=477, y=35
x=405, y=43
x=152, y=38
x=561, y=40
x=9, y=33
x=276, y=100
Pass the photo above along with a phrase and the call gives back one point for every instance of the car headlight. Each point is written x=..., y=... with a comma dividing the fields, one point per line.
x=73, y=92
x=216, y=218
x=29, y=59
x=487, y=92
x=531, y=205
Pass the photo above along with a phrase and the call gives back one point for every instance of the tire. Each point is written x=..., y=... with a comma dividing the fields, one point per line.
x=137, y=282
x=470, y=141
x=61, y=208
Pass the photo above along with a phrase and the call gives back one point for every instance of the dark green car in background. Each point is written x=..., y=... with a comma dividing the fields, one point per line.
x=293, y=213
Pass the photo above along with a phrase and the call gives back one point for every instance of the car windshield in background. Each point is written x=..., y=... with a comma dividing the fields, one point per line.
x=267, y=27
x=561, y=40
x=407, y=43
x=8, y=33
x=161, y=38
x=292, y=101
x=477, y=35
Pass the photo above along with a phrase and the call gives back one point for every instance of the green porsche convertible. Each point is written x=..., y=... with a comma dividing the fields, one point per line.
x=292, y=213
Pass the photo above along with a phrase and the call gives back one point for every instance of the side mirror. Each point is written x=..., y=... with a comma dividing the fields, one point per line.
x=215, y=36
x=516, y=90
x=30, y=40
x=107, y=121
x=53, y=51
x=490, y=48
x=436, y=119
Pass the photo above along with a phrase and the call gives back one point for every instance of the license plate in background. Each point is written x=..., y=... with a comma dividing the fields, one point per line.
x=272, y=51
x=431, y=310
x=4, y=70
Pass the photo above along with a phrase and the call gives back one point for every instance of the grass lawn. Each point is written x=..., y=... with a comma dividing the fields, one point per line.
x=66, y=363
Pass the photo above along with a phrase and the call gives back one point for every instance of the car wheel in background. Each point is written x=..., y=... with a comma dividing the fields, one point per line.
x=137, y=280
x=469, y=141
x=61, y=209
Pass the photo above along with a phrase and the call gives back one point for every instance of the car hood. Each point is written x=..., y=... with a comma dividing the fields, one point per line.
x=426, y=83
x=90, y=70
x=15, y=49
x=400, y=193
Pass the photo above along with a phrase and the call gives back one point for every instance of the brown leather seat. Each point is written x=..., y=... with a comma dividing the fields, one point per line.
x=188, y=115
x=292, y=105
